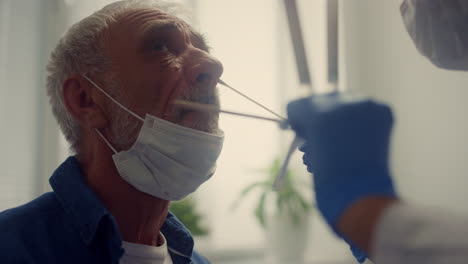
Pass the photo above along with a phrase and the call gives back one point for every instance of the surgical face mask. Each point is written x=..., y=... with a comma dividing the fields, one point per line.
x=439, y=29
x=167, y=160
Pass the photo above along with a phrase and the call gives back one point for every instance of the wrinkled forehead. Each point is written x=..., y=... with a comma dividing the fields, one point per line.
x=139, y=22
x=144, y=18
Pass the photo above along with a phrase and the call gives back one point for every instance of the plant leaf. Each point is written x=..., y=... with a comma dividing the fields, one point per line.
x=260, y=210
x=245, y=192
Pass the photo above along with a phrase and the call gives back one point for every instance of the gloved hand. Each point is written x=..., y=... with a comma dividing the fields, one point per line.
x=358, y=253
x=346, y=149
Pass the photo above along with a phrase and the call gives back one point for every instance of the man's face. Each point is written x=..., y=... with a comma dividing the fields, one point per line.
x=157, y=58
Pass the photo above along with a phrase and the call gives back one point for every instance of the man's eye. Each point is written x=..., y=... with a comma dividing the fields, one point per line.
x=159, y=47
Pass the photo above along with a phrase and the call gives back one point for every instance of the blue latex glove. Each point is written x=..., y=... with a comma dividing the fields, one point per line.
x=347, y=142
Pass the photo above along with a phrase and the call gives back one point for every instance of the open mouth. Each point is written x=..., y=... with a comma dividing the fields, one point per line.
x=196, y=119
x=194, y=115
x=181, y=112
x=186, y=113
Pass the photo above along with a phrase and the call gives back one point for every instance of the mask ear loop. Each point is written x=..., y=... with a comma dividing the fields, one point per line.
x=115, y=101
x=119, y=104
x=105, y=140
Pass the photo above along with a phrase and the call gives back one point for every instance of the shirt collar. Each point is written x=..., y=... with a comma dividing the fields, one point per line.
x=87, y=212
x=84, y=208
x=179, y=239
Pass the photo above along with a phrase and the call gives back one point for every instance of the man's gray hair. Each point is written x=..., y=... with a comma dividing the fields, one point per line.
x=82, y=50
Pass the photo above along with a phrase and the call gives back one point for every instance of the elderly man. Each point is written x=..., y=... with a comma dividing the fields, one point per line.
x=112, y=80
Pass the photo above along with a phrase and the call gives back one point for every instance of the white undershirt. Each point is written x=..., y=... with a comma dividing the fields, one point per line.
x=144, y=254
x=408, y=234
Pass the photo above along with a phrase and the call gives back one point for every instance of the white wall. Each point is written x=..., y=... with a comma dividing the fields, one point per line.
x=430, y=141
x=21, y=88
x=32, y=146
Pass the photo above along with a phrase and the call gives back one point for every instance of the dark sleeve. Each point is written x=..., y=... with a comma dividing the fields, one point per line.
x=12, y=247
x=199, y=259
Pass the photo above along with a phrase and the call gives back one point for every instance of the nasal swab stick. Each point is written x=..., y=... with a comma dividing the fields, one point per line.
x=215, y=109
x=251, y=100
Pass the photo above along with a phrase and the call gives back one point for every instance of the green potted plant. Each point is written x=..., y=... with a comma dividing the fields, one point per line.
x=289, y=199
x=282, y=214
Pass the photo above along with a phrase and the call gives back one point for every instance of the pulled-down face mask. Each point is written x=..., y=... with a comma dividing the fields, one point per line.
x=439, y=29
x=167, y=160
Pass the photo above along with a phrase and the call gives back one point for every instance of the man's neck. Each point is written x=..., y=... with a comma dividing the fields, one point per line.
x=139, y=216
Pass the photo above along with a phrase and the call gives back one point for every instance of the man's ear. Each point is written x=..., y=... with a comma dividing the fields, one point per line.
x=81, y=104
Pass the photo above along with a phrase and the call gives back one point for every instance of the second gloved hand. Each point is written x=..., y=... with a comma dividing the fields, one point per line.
x=346, y=149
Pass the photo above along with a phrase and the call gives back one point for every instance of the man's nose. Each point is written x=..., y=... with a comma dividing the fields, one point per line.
x=204, y=69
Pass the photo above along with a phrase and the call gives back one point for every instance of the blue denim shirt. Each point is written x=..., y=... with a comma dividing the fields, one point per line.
x=70, y=225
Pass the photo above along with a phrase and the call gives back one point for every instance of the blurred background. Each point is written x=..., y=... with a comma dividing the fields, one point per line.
x=357, y=45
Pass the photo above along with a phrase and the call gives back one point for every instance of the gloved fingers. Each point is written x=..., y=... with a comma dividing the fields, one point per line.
x=305, y=112
x=304, y=147
x=332, y=111
x=307, y=158
x=358, y=253
x=309, y=165
x=299, y=116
